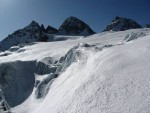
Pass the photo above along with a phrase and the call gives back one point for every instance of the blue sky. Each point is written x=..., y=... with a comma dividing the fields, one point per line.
x=16, y=14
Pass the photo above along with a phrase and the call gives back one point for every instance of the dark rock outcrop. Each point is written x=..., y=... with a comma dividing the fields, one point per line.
x=74, y=26
x=122, y=24
x=147, y=26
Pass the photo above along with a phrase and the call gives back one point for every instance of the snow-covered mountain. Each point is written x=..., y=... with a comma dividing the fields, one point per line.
x=31, y=33
x=36, y=33
x=104, y=73
x=74, y=26
x=122, y=24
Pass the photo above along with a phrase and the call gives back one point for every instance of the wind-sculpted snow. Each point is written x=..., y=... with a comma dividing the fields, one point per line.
x=114, y=80
x=18, y=77
x=72, y=55
x=133, y=36
x=45, y=66
x=43, y=86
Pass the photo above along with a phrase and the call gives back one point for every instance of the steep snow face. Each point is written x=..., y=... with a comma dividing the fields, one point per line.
x=121, y=24
x=74, y=26
x=114, y=79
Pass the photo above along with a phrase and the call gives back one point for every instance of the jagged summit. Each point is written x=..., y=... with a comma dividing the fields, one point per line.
x=75, y=26
x=31, y=33
x=33, y=25
x=34, y=22
x=121, y=24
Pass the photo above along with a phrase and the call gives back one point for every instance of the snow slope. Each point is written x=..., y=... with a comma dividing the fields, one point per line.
x=103, y=73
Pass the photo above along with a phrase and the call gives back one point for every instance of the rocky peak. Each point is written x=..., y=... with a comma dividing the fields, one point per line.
x=51, y=30
x=33, y=25
x=30, y=33
x=121, y=24
x=75, y=26
x=147, y=26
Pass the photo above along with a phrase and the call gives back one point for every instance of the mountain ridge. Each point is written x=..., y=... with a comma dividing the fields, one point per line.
x=71, y=26
x=38, y=33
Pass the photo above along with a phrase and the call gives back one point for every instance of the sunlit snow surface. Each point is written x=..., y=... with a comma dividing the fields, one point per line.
x=111, y=76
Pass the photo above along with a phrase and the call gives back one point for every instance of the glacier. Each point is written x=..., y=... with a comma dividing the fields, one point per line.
x=103, y=73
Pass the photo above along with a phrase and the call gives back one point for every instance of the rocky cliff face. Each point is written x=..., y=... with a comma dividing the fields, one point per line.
x=121, y=24
x=74, y=26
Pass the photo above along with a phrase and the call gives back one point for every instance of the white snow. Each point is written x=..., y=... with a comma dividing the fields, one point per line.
x=111, y=76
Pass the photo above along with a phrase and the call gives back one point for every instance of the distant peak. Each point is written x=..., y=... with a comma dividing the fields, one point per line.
x=121, y=24
x=122, y=19
x=147, y=26
x=34, y=23
x=118, y=17
x=75, y=26
x=72, y=18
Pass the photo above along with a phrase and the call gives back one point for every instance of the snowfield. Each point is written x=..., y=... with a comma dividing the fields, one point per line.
x=104, y=73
